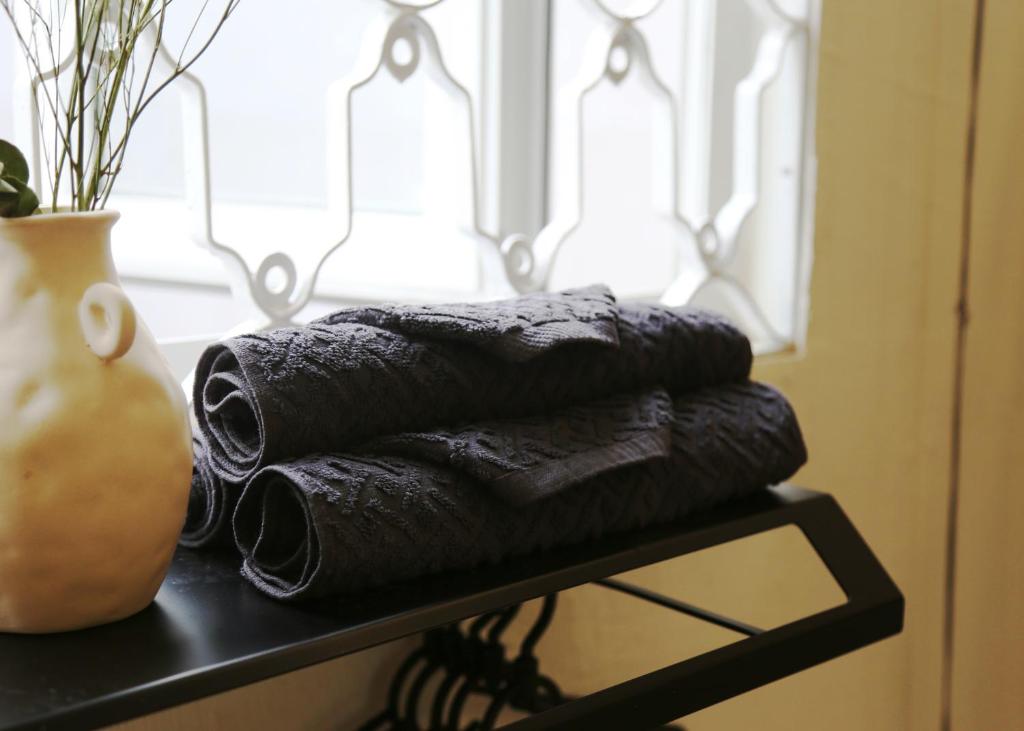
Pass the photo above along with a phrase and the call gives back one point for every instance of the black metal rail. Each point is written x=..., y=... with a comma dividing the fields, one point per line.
x=873, y=611
x=209, y=631
x=680, y=606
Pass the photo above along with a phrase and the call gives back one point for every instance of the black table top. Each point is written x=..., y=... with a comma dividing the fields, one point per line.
x=209, y=631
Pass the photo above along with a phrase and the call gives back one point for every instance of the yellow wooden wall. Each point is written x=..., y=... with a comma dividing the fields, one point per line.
x=988, y=649
x=875, y=391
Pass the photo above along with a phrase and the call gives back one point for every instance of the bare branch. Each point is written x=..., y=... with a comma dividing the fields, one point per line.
x=107, y=87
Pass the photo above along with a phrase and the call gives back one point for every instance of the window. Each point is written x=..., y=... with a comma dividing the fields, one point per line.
x=492, y=146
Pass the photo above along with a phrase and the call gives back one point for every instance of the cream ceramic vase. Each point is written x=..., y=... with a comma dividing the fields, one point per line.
x=95, y=447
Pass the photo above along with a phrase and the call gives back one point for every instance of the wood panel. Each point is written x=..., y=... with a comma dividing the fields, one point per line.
x=988, y=647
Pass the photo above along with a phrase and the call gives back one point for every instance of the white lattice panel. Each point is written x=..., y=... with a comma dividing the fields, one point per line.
x=724, y=88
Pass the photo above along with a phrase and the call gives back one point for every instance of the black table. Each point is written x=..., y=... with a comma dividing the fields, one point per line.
x=209, y=631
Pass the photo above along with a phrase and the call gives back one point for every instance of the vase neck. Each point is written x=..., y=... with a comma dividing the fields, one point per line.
x=64, y=251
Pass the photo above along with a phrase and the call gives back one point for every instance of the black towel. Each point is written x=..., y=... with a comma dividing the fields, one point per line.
x=515, y=330
x=369, y=372
x=211, y=501
x=520, y=460
x=526, y=459
x=338, y=523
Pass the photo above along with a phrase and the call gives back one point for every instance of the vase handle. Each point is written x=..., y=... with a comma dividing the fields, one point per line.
x=108, y=320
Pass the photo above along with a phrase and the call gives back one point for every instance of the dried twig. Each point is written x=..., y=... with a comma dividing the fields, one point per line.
x=115, y=67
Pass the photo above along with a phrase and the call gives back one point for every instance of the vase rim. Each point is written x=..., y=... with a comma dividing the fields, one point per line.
x=45, y=216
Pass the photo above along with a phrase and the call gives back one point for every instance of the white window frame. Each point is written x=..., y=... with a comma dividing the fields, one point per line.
x=511, y=177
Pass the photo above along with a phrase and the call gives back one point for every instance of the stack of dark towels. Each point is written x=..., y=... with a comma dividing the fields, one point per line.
x=383, y=443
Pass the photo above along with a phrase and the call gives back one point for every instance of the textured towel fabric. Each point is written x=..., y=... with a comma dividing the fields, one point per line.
x=334, y=523
x=211, y=502
x=516, y=329
x=519, y=460
x=526, y=459
x=326, y=387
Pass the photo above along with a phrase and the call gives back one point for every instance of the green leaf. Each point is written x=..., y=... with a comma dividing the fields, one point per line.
x=19, y=203
x=14, y=163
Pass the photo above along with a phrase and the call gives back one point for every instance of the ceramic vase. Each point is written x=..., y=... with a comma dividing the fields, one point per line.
x=95, y=447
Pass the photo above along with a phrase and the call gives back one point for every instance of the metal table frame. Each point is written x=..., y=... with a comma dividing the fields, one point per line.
x=210, y=632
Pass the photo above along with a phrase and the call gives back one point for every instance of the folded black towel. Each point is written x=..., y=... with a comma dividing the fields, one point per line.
x=523, y=460
x=211, y=501
x=369, y=372
x=338, y=523
x=516, y=329
x=520, y=460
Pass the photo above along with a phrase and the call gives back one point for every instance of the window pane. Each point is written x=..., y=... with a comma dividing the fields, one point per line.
x=678, y=150
x=267, y=80
x=728, y=179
